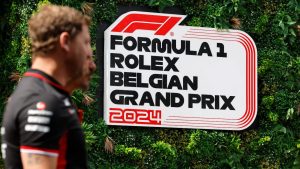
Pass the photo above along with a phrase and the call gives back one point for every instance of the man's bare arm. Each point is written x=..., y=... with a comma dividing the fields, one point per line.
x=37, y=161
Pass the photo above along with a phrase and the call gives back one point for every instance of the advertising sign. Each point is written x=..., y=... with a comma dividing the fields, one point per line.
x=158, y=73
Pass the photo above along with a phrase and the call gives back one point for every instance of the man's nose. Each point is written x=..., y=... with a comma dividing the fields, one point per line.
x=92, y=66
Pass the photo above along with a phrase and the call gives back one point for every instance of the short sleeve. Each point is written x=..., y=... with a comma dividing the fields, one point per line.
x=42, y=125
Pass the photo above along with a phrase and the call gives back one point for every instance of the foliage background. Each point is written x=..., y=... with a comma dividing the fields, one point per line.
x=272, y=142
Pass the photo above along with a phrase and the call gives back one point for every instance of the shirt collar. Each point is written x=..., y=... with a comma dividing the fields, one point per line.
x=46, y=78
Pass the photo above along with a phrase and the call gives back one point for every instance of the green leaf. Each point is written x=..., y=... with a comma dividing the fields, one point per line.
x=281, y=25
x=296, y=163
x=290, y=113
x=291, y=23
x=293, y=32
x=283, y=130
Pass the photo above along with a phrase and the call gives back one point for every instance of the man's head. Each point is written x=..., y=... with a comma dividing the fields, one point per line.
x=62, y=33
x=46, y=26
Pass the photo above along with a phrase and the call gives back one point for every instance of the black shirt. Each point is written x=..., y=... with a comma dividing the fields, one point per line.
x=40, y=118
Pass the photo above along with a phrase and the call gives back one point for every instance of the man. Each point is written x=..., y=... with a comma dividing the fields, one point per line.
x=41, y=129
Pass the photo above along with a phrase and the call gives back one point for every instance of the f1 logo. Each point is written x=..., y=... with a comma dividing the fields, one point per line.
x=161, y=24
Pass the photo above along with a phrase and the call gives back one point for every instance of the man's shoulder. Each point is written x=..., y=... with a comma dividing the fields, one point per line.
x=31, y=93
x=30, y=87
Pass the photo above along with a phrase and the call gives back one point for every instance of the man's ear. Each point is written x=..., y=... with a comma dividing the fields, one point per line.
x=64, y=41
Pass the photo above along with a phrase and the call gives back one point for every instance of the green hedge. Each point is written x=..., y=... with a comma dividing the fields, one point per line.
x=272, y=142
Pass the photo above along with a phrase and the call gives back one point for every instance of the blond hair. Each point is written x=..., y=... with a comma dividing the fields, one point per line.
x=47, y=24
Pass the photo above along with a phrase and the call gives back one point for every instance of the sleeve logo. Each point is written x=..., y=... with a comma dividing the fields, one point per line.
x=41, y=106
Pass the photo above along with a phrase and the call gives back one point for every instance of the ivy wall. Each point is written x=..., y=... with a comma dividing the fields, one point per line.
x=273, y=141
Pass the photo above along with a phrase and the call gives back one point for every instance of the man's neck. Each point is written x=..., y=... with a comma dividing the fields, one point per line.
x=52, y=68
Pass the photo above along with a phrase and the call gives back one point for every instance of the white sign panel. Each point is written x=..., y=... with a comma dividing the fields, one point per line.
x=158, y=73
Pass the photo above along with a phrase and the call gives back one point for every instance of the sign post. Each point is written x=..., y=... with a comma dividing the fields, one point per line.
x=158, y=73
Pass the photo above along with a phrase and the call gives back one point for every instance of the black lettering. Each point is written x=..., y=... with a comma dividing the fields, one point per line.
x=130, y=43
x=207, y=100
x=141, y=63
x=116, y=59
x=125, y=97
x=174, y=97
x=156, y=63
x=155, y=80
x=217, y=102
x=171, y=64
x=144, y=43
x=116, y=78
x=155, y=43
x=146, y=98
x=139, y=81
x=165, y=82
x=193, y=98
x=174, y=82
x=188, y=82
x=161, y=46
x=188, y=49
x=129, y=79
x=204, y=49
x=182, y=47
x=166, y=45
x=131, y=61
x=227, y=102
x=160, y=98
x=115, y=40
x=221, y=53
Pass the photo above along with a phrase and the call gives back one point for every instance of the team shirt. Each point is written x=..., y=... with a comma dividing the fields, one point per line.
x=40, y=118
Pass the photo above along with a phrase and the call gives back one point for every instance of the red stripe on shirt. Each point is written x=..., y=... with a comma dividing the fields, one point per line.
x=62, y=162
x=36, y=75
x=40, y=149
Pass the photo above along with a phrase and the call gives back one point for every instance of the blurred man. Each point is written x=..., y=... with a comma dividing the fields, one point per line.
x=41, y=129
